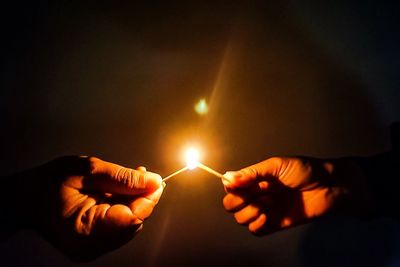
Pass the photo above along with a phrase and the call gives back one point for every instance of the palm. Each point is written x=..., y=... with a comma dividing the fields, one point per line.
x=308, y=181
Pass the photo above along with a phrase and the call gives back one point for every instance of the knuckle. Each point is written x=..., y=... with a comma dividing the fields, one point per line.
x=280, y=165
x=276, y=161
x=298, y=163
x=140, y=179
x=303, y=166
x=93, y=160
x=131, y=178
x=136, y=179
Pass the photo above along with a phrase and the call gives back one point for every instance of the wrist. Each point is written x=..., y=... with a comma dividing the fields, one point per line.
x=355, y=196
x=380, y=176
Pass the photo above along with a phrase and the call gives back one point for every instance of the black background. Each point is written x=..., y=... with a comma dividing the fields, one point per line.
x=118, y=80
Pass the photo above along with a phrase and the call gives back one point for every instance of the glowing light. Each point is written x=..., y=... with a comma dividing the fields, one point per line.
x=201, y=107
x=192, y=157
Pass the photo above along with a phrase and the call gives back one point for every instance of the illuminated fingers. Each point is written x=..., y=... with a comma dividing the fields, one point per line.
x=257, y=225
x=247, y=214
x=253, y=217
x=110, y=197
x=233, y=202
x=250, y=211
x=139, y=181
x=119, y=217
x=240, y=179
x=90, y=215
x=272, y=168
x=112, y=178
x=142, y=207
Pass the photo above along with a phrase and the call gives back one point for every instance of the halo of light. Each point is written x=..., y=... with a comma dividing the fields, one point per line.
x=192, y=157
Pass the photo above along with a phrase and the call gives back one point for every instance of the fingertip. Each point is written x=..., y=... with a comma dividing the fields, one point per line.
x=231, y=175
x=247, y=214
x=256, y=226
x=230, y=178
x=153, y=181
x=233, y=202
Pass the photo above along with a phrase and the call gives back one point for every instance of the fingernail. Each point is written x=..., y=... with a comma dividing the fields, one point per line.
x=230, y=177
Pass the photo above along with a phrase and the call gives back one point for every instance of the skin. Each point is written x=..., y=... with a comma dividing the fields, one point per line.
x=86, y=206
x=279, y=193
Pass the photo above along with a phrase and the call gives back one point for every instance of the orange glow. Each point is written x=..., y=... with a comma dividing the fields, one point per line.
x=192, y=157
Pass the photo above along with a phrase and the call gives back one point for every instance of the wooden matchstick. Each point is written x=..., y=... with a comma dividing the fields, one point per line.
x=209, y=170
x=175, y=173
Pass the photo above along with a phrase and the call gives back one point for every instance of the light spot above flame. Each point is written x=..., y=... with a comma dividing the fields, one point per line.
x=192, y=157
x=201, y=107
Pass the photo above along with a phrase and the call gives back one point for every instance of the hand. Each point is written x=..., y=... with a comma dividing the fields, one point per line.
x=283, y=192
x=85, y=206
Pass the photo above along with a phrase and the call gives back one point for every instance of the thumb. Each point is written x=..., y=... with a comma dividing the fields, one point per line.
x=243, y=178
x=254, y=173
x=115, y=179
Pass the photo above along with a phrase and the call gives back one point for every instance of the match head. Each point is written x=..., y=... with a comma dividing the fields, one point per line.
x=192, y=157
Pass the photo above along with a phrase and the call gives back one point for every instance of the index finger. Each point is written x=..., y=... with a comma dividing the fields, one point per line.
x=113, y=178
x=253, y=174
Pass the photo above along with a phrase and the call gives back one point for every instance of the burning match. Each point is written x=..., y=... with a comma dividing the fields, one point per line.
x=209, y=170
x=192, y=161
x=174, y=174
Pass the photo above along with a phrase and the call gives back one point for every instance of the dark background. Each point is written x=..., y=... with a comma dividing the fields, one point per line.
x=118, y=80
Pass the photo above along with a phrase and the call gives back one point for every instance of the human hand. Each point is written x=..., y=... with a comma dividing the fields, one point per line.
x=283, y=192
x=85, y=206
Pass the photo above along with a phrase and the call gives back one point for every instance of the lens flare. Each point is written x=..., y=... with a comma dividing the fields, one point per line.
x=201, y=107
x=192, y=157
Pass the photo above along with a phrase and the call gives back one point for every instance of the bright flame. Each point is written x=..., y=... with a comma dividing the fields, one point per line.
x=192, y=157
x=201, y=107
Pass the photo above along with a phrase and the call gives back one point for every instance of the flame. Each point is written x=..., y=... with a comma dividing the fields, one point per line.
x=192, y=157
